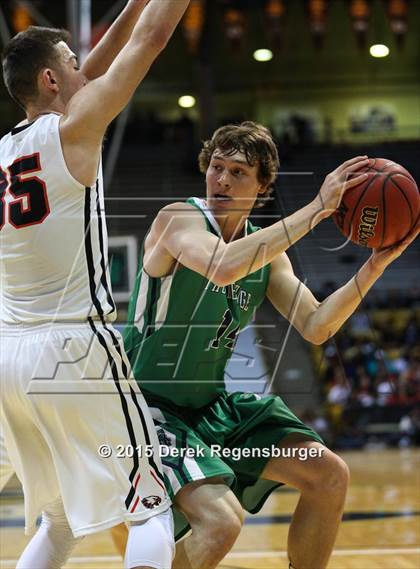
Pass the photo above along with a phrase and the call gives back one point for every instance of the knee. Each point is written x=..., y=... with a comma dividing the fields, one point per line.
x=339, y=477
x=153, y=540
x=228, y=526
x=221, y=523
x=333, y=477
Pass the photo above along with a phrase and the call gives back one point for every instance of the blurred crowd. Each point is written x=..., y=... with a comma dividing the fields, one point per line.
x=371, y=376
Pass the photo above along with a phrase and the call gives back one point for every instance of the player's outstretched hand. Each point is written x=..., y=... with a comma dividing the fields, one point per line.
x=340, y=180
x=381, y=258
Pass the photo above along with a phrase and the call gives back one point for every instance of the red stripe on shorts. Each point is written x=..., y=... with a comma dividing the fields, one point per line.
x=136, y=481
x=157, y=480
x=135, y=505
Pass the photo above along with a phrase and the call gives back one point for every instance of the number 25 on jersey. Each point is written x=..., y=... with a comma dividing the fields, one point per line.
x=30, y=204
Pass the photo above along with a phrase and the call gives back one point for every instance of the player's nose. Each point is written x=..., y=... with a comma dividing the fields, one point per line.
x=223, y=180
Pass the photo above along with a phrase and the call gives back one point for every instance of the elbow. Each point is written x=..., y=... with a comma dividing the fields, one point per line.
x=160, y=39
x=223, y=271
x=315, y=330
x=222, y=276
x=317, y=340
x=317, y=336
x=157, y=39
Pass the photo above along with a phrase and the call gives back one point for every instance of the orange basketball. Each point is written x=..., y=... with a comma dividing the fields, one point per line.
x=381, y=210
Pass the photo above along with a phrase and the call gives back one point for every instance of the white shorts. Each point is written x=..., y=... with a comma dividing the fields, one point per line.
x=6, y=468
x=64, y=395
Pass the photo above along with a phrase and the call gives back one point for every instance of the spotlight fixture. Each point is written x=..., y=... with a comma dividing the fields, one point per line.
x=379, y=50
x=262, y=55
x=186, y=102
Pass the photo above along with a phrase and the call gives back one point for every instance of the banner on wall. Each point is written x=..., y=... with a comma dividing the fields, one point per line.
x=317, y=11
x=275, y=13
x=235, y=27
x=360, y=13
x=193, y=23
x=21, y=17
x=397, y=11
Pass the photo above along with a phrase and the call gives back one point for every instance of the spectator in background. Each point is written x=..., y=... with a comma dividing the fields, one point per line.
x=337, y=396
x=385, y=381
x=411, y=336
x=364, y=393
x=410, y=427
x=359, y=324
x=384, y=390
x=318, y=422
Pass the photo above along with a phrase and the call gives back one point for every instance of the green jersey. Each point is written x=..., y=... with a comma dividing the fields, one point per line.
x=182, y=328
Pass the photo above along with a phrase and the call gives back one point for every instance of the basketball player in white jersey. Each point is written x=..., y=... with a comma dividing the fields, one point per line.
x=66, y=392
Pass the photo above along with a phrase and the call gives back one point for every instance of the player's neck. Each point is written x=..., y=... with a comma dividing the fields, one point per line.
x=35, y=111
x=32, y=117
x=232, y=228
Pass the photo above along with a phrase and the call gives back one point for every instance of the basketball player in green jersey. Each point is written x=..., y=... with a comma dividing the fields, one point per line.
x=204, y=270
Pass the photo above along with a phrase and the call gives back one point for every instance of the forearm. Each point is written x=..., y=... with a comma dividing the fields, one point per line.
x=115, y=88
x=100, y=58
x=160, y=18
x=331, y=314
x=248, y=255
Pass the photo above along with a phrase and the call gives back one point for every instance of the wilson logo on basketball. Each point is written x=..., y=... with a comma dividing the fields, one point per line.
x=367, y=224
x=151, y=502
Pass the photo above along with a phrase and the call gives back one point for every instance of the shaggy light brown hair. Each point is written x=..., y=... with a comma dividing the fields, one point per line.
x=255, y=142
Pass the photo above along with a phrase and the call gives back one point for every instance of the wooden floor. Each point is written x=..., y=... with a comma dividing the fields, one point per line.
x=381, y=529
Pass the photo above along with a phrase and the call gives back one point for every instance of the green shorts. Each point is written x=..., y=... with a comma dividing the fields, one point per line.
x=232, y=438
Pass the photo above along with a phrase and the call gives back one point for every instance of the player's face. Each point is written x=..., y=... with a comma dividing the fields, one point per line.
x=232, y=183
x=70, y=76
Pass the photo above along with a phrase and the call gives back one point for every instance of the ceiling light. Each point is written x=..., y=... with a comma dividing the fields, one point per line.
x=263, y=55
x=186, y=102
x=379, y=50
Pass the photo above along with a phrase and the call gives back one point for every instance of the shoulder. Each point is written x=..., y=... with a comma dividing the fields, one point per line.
x=47, y=120
x=46, y=128
x=177, y=207
x=5, y=138
x=179, y=212
x=38, y=129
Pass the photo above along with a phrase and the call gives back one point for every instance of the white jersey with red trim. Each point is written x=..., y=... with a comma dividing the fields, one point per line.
x=53, y=237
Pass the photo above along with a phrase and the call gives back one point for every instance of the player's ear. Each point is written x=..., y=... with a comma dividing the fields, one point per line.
x=48, y=79
x=262, y=189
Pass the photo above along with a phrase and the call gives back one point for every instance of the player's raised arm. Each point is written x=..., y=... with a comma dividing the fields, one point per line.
x=103, y=54
x=179, y=233
x=92, y=108
x=319, y=321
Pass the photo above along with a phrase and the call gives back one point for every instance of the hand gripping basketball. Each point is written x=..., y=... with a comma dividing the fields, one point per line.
x=381, y=258
x=383, y=209
x=340, y=180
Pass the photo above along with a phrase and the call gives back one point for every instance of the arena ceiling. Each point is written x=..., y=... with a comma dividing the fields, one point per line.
x=224, y=54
